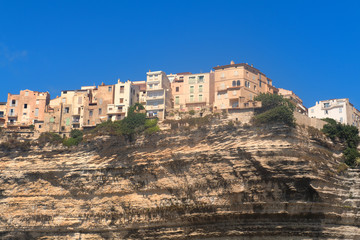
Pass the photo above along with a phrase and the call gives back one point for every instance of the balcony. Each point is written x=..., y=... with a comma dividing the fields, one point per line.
x=115, y=110
x=195, y=101
x=12, y=115
x=76, y=120
x=245, y=105
x=154, y=107
x=332, y=105
x=154, y=89
x=154, y=97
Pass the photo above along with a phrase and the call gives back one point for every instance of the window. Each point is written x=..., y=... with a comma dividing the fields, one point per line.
x=110, y=89
x=200, y=79
x=236, y=73
x=341, y=119
x=26, y=93
x=234, y=83
x=200, y=88
x=326, y=105
x=222, y=75
x=90, y=113
x=200, y=98
x=12, y=112
x=177, y=100
x=326, y=112
x=25, y=106
x=235, y=104
x=340, y=110
x=219, y=96
x=100, y=111
x=67, y=110
x=100, y=101
x=13, y=103
x=24, y=114
x=121, y=100
x=192, y=80
x=247, y=84
x=63, y=100
x=1, y=114
x=79, y=100
x=122, y=89
x=36, y=112
x=312, y=110
x=37, y=102
x=191, y=89
x=255, y=87
x=191, y=98
x=39, y=126
x=238, y=83
x=177, y=89
x=260, y=82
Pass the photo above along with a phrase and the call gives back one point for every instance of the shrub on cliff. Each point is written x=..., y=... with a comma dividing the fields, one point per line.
x=275, y=109
x=347, y=134
x=49, y=137
x=14, y=144
x=76, y=136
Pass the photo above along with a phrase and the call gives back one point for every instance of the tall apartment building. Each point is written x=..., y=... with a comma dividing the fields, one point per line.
x=287, y=94
x=126, y=94
x=158, y=94
x=2, y=113
x=68, y=111
x=142, y=91
x=236, y=85
x=96, y=112
x=193, y=91
x=26, y=108
x=340, y=110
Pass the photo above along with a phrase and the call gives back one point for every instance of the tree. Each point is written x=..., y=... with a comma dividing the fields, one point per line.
x=275, y=109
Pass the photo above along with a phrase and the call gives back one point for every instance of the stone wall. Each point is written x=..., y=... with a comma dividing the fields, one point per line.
x=307, y=121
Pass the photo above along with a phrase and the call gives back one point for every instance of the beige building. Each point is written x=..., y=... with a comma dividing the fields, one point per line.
x=96, y=112
x=142, y=91
x=193, y=91
x=68, y=111
x=236, y=85
x=26, y=108
x=340, y=110
x=287, y=94
x=126, y=94
x=2, y=113
x=158, y=94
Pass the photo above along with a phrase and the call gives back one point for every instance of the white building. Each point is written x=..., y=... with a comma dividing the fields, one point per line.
x=126, y=94
x=158, y=94
x=340, y=110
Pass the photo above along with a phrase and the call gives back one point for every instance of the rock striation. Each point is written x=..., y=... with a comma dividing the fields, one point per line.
x=214, y=182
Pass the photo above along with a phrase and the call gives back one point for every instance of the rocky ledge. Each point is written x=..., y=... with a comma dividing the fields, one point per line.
x=215, y=182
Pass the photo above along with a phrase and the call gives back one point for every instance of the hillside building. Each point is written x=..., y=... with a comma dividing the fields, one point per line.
x=341, y=110
x=193, y=91
x=26, y=109
x=287, y=94
x=158, y=94
x=2, y=113
x=236, y=85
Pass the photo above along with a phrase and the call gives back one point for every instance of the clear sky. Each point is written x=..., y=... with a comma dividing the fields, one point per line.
x=310, y=47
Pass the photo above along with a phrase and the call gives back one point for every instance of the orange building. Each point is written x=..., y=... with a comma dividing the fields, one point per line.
x=236, y=85
x=192, y=91
x=2, y=113
x=26, y=108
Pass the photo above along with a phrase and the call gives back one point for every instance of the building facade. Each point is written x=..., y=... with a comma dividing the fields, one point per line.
x=158, y=94
x=341, y=110
x=193, y=91
x=287, y=94
x=2, y=114
x=236, y=85
x=26, y=108
x=126, y=94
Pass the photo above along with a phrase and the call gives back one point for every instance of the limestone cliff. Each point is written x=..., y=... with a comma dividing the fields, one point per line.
x=218, y=182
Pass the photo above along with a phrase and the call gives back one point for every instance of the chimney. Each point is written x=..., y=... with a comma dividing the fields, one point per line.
x=232, y=62
x=252, y=65
x=149, y=70
x=118, y=80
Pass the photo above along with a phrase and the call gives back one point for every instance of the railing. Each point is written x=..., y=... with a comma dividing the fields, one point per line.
x=152, y=107
x=12, y=114
x=196, y=101
x=154, y=97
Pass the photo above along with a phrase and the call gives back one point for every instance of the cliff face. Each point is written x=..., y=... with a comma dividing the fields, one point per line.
x=222, y=182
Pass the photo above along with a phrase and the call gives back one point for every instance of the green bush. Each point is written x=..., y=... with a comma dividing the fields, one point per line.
x=275, y=109
x=71, y=142
x=75, y=133
x=151, y=122
x=351, y=155
x=152, y=130
x=49, y=137
x=192, y=112
x=279, y=114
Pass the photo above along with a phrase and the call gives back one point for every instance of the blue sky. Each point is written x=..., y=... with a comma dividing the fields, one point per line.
x=310, y=47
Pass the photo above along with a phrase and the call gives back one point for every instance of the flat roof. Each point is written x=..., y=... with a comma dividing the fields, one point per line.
x=239, y=65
